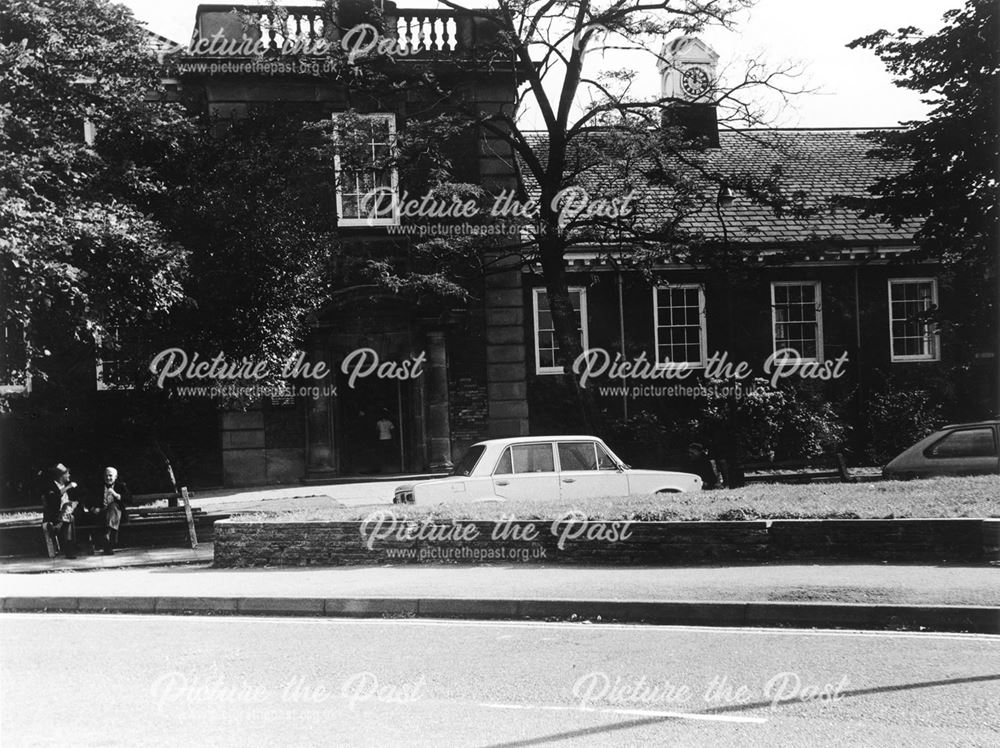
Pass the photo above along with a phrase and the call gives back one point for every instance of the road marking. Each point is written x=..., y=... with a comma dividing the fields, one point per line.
x=631, y=713
x=631, y=627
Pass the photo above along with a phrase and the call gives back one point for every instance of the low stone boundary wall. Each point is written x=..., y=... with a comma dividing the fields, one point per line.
x=25, y=540
x=576, y=541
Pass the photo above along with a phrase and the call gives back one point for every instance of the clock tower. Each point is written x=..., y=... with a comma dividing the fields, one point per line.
x=688, y=69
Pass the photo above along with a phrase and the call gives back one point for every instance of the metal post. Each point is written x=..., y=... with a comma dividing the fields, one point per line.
x=190, y=517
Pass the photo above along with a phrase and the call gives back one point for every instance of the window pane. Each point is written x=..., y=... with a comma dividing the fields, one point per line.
x=504, y=466
x=910, y=301
x=533, y=458
x=468, y=462
x=679, y=328
x=349, y=203
x=966, y=443
x=547, y=348
x=796, y=318
x=577, y=456
x=365, y=168
x=604, y=460
x=574, y=299
x=118, y=358
x=13, y=355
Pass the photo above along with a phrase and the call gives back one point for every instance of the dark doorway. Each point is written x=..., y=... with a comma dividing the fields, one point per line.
x=373, y=424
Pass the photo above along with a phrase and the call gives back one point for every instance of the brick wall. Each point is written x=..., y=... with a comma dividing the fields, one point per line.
x=468, y=414
x=240, y=544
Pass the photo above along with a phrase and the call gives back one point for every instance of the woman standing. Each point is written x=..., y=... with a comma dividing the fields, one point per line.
x=58, y=510
x=112, y=510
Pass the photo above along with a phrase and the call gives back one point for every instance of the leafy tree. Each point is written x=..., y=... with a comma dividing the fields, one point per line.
x=951, y=179
x=76, y=247
x=251, y=200
x=159, y=227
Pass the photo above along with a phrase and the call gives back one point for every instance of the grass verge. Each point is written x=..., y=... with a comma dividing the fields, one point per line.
x=932, y=498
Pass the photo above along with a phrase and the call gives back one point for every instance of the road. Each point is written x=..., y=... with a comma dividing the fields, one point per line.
x=133, y=680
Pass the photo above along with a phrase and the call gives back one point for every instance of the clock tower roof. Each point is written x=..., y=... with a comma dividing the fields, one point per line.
x=687, y=69
x=685, y=49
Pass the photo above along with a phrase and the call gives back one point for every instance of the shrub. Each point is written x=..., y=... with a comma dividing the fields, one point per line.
x=783, y=422
x=642, y=440
x=896, y=418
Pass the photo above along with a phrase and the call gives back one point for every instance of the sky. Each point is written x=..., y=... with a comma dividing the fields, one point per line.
x=846, y=88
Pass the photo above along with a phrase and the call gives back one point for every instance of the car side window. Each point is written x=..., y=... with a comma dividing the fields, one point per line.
x=577, y=456
x=531, y=458
x=604, y=460
x=504, y=466
x=964, y=443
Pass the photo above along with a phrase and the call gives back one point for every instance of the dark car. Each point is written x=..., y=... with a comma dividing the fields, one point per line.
x=959, y=449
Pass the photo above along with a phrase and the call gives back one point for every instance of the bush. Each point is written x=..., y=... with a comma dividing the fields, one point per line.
x=897, y=418
x=778, y=422
x=642, y=440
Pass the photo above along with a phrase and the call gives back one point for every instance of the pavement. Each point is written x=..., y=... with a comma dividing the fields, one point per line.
x=235, y=681
x=949, y=598
x=123, y=558
x=866, y=596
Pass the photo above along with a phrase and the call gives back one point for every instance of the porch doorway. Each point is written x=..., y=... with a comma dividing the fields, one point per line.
x=374, y=421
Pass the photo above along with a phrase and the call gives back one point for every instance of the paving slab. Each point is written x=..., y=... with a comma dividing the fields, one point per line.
x=122, y=559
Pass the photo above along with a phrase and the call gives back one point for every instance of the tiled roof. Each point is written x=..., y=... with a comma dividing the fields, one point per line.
x=161, y=46
x=820, y=164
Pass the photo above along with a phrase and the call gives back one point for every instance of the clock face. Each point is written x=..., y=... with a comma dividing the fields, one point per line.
x=694, y=82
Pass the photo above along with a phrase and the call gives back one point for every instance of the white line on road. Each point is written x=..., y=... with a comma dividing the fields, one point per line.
x=632, y=713
x=633, y=627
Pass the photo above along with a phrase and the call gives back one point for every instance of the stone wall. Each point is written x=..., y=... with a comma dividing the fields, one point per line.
x=240, y=544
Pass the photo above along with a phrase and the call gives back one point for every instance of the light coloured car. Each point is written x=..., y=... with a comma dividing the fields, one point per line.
x=542, y=468
x=959, y=449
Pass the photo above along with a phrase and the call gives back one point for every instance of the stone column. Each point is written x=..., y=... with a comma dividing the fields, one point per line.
x=421, y=458
x=506, y=355
x=438, y=425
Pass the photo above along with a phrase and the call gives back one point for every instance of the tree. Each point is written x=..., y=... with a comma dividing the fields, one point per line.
x=127, y=216
x=251, y=200
x=597, y=134
x=76, y=247
x=951, y=179
x=79, y=255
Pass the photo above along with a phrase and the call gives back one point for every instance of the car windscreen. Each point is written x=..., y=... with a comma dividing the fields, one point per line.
x=469, y=460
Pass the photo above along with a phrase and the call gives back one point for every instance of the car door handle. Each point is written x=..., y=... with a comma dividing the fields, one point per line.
x=502, y=483
x=569, y=480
